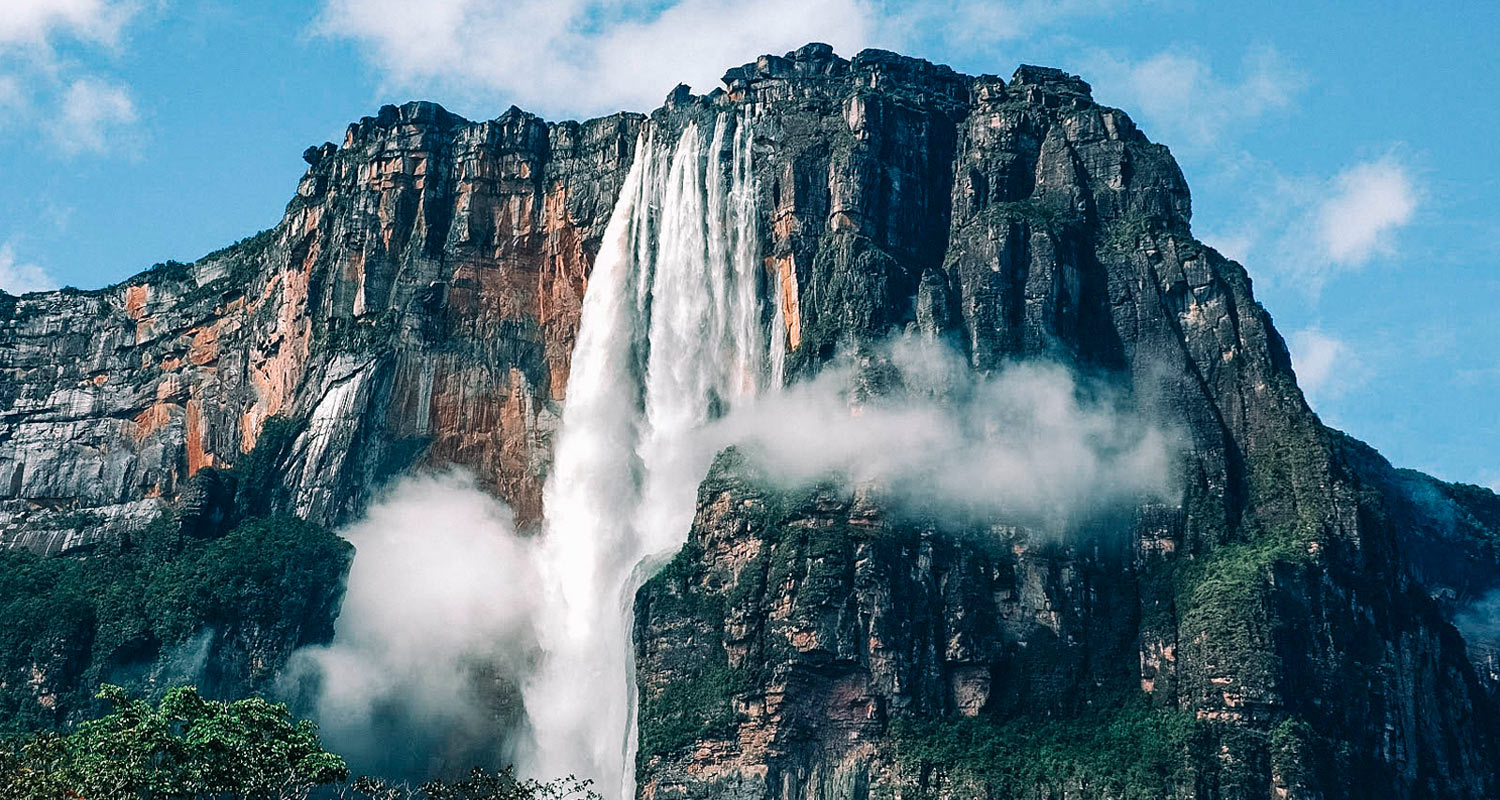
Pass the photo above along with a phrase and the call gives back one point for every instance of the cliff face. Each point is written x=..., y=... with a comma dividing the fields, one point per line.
x=1282, y=629
x=417, y=303
x=1278, y=622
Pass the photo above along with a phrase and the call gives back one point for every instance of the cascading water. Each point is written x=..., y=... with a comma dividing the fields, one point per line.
x=672, y=333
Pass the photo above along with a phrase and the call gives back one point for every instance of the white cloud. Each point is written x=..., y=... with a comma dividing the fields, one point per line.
x=46, y=78
x=1031, y=444
x=1184, y=103
x=1327, y=367
x=583, y=55
x=37, y=23
x=17, y=277
x=596, y=56
x=1303, y=231
x=92, y=117
x=1369, y=202
x=433, y=637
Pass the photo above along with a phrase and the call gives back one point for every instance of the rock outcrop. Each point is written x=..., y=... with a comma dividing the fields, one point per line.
x=1285, y=629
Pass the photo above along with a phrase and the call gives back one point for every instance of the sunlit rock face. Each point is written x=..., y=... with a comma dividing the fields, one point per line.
x=1279, y=626
x=417, y=304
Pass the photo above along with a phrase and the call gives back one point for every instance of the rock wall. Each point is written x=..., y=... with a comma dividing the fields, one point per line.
x=1274, y=608
x=416, y=304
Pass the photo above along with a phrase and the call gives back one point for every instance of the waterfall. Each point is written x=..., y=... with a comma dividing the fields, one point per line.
x=672, y=333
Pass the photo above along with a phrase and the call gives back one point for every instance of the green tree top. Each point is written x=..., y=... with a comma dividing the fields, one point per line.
x=186, y=746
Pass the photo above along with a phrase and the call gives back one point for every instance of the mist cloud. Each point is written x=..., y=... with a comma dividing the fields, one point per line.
x=1030, y=444
x=435, y=634
x=1480, y=622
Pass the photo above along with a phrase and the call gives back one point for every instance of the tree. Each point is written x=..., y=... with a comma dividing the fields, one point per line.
x=186, y=746
x=479, y=784
x=190, y=747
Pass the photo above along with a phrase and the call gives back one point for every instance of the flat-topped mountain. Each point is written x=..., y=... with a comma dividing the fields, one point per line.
x=1283, y=625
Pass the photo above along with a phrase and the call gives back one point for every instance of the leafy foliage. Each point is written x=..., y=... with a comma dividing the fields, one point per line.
x=699, y=707
x=185, y=746
x=257, y=475
x=479, y=784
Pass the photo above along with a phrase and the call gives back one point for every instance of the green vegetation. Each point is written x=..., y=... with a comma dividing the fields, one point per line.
x=698, y=707
x=77, y=520
x=169, y=270
x=248, y=245
x=1133, y=752
x=699, y=701
x=67, y=624
x=503, y=785
x=1224, y=595
x=257, y=476
x=1041, y=214
x=699, y=704
x=1291, y=743
x=163, y=603
x=184, y=747
x=190, y=747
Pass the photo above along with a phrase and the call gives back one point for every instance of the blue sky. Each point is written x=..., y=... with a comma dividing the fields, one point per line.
x=1344, y=156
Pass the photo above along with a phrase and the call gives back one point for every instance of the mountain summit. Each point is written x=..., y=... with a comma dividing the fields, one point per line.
x=1279, y=622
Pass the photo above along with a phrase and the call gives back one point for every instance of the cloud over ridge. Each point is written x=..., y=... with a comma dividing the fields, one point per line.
x=1031, y=444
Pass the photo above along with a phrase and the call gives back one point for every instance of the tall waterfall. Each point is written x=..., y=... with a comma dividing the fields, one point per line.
x=672, y=334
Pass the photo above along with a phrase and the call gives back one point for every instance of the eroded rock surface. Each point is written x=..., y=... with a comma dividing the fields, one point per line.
x=417, y=304
x=1290, y=615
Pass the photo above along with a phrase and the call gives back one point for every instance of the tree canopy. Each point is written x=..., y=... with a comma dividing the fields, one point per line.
x=184, y=746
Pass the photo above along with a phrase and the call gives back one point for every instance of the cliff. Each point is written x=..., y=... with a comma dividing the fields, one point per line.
x=1285, y=627
x=416, y=304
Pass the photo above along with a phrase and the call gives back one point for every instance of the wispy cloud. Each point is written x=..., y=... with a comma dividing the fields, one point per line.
x=47, y=77
x=1301, y=231
x=1327, y=366
x=582, y=56
x=1368, y=204
x=1304, y=231
x=1184, y=102
x=19, y=277
x=594, y=56
x=94, y=116
x=39, y=23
